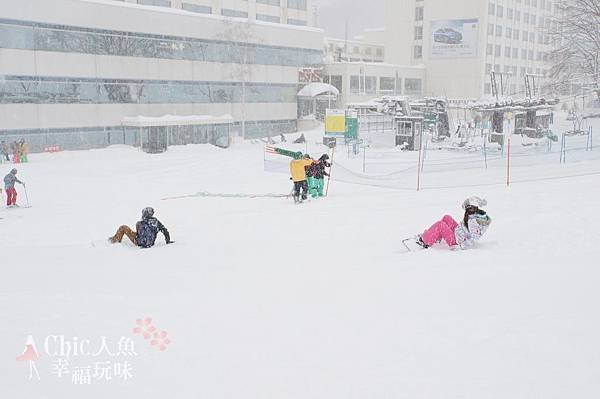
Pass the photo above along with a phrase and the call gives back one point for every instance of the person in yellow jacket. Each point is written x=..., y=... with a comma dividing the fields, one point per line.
x=298, y=171
x=23, y=150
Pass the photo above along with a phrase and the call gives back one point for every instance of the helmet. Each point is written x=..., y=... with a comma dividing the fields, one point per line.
x=474, y=201
x=14, y=171
x=306, y=156
x=147, y=212
x=324, y=157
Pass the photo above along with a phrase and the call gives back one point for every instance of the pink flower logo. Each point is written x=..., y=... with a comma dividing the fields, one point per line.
x=159, y=339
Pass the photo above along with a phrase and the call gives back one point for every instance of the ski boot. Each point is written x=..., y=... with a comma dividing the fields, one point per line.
x=420, y=242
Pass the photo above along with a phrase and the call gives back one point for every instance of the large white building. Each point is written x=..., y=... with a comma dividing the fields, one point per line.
x=462, y=41
x=72, y=70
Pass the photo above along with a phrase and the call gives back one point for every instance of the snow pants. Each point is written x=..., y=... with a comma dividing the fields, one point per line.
x=11, y=196
x=319, y=185
x=300, y=186
x=311, y=181
x=124, y=231
x=441, y=230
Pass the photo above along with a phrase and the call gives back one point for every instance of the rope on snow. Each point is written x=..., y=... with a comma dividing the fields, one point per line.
x=222, y=195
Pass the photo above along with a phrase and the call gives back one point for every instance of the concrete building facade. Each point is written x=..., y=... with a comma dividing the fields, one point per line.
x=461, y=43
x=70, y=78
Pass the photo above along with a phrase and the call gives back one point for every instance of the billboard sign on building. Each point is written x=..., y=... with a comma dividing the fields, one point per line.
x=456, y=38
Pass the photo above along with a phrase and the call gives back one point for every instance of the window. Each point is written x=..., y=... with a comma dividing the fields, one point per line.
x=530, y=55
x=491, y=9
x=525, y=36
x=387, y=85
x=515, y=52
x=500, y=11
x=507, y=52
x=363, y=84
x=498, y=51
x=509, y=13
x=412, y=86
x=498, y=30
x=517, y=15
x=490, y=29
x=297, y=22
x=227, y=12
x=516, y=34
x=508, y=33
x=489, y=49
x=526, y=18
x=418, y=52
x=196, y=8
x=532, y=19
x=271, y=2
x=297, y=4
x=488, y=69
x=532, y=37
x=268, y=18
x=159, y=3
x=523, y=54
x=419, y=11
x=334, y=80
x=418, y=32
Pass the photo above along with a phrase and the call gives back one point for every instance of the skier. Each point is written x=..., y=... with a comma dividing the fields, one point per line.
x=145, y=232
x=319, y=175
x=9, y=186
x=16, y=150
x=5, y=152
x=298, y=170
x=473, y=225
x=23, y=150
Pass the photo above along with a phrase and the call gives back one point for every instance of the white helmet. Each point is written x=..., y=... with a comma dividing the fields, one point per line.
x=474, y=201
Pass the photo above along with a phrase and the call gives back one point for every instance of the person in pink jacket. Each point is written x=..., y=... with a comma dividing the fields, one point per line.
x=462, y=235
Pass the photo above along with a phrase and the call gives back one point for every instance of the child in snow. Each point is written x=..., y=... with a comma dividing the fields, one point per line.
x=473, y=225
x=316, y=174
x=298, y=171
x=16, y=150
x=9, y=186
x=145, y=232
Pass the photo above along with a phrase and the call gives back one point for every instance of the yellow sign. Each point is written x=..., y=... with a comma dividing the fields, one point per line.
x=335, y=122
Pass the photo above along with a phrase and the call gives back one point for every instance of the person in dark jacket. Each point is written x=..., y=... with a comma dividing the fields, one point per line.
x=145, y=232
x=9, y=185
x=318, y=173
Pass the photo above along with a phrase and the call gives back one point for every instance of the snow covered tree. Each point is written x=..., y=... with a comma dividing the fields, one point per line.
x=575, y=36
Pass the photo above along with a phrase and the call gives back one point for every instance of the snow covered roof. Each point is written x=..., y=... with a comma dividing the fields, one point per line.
x=312, y=90
x=175, y=120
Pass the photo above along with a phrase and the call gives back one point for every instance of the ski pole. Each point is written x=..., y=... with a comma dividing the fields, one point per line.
x=330, y=170
x=26, y=196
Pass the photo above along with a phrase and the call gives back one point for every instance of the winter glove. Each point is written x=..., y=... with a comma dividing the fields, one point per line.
x=484, y=220
x=170, y=242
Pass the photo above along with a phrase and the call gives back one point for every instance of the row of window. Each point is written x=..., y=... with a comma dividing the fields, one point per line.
x=368, y=85
x=513, y=52
x=498, y=10
x=513, y=70
x=51, y=90
x=517, y=34
x=294, y=4
x=47, y=37
x=77, y=138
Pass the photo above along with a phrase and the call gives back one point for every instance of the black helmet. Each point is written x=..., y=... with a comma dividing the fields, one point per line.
x=147, y=212
x=14, y=171
x=324, y=157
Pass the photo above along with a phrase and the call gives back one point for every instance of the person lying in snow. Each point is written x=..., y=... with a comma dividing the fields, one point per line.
x=474, y=225
x=145, y=232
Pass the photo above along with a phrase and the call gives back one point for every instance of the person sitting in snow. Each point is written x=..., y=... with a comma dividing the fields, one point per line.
x=474, y=224
x=9, y=186
x=298, y=168
x=145, y=232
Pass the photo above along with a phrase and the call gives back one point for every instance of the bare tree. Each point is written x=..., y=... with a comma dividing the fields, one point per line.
x=238, y=39
x=575, y=35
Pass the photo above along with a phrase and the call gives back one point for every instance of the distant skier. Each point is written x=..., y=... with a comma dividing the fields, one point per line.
x=145, y=232
x=474, y=224
x=5, y=156
x=298, y=169
x=9, y=186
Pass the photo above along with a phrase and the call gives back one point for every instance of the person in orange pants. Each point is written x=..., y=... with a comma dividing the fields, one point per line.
x=145, y=232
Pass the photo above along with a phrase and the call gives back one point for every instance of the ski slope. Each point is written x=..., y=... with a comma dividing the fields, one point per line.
x=266, y=299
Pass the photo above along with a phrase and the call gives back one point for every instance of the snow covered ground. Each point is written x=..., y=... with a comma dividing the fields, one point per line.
x=265, y=299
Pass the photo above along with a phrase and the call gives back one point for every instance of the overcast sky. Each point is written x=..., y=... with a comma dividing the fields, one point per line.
x=332, y=15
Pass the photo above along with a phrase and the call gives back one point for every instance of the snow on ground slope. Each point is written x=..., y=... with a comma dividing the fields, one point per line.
x=266, y=299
